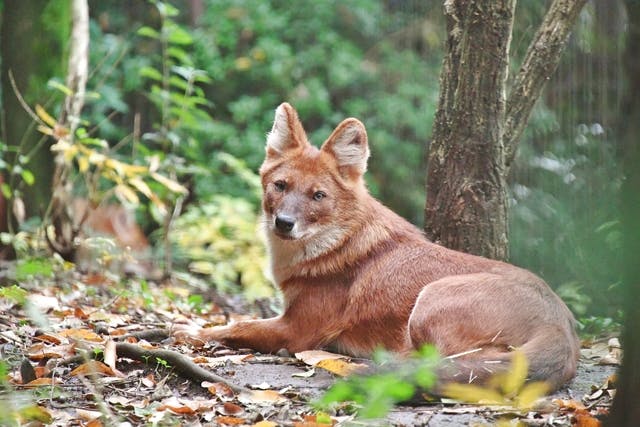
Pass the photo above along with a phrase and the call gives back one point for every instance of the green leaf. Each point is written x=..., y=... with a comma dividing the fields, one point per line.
x=36, y=413
x=14, y=293
x=148, y=32
x=26, y=269
x=150, y=73
x=167, y=10
x=179, y=54
x=179, y=36
x=54, y=84
x=6, y=190
x=28, y=177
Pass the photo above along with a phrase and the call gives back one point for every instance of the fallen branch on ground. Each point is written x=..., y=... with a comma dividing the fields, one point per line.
x=181, y=364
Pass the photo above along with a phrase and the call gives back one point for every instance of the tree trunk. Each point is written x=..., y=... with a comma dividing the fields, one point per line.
x=626, y=410
x=61, y=211
x=466, y=188
x=476, y=129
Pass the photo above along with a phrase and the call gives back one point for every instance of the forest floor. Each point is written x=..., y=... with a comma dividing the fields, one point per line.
x=92, y=350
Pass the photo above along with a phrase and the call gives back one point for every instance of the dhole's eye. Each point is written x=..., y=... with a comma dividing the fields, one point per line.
x=319, y=195
x=280, y=185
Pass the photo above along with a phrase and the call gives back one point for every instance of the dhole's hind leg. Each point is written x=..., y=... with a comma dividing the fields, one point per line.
x=481, y=318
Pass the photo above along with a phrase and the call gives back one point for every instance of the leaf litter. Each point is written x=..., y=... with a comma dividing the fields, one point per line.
x=98, y=351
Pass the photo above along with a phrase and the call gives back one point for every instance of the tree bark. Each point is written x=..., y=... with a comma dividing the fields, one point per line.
x=466, y=188
x=625, y=410
x=476, y=129
x=77, y=73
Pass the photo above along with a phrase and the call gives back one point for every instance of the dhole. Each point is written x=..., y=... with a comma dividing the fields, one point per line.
x=355, y=276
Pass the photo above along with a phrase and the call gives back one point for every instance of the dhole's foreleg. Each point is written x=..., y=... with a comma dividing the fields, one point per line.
x=484, y=317
x=264, y=335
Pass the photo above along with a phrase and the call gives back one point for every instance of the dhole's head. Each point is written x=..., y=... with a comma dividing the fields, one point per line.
x=311, y=195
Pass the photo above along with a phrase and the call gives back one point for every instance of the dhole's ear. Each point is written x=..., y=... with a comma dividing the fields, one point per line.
x=348, y=145
x=287, y=132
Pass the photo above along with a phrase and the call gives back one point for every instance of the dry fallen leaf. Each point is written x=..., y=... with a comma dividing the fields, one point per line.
x=39, y=382
x=87, y=415
x=93, y=367
x=312, y=357
x=43, y=303
x=586, y=420
x=314, y=421
x=306, y=374
x=48, y=337
x=262, y=397
x=230, y=421
x=614, y=356
x=569, y=404
x=81, y=334
x=229, y=408
x=218, y=389
x=237, y=359
x=341, y=367
x=265, y=423
x=39, y=351
x=332, y=362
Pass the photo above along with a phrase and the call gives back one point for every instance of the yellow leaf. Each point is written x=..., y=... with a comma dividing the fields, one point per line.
x=170, y=184
x=126, y=193
x=473, y=394
x=96, y=158
x=83, y=164
x=115, y=165
x=265, y=423
x=515, y=377
x=44, y=116
x=45, y=130
x=530, y=393
x=341, y=367
x=141, y=186
x=133, y=170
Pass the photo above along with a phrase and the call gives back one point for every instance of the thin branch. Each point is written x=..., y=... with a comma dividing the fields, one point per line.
x=541, y=61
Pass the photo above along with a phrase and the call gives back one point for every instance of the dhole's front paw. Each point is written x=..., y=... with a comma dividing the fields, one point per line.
x=195, y=335
x=188, y=334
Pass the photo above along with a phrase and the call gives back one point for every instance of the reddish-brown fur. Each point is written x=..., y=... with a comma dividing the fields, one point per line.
x=355, y=276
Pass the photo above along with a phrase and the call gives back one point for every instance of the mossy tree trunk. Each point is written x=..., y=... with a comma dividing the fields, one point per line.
x=477, y=127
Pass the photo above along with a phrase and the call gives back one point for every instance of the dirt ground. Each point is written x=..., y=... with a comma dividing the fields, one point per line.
x=81, y=317
x=281, y=375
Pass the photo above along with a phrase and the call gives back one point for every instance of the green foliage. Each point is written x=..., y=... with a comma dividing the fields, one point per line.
x=220, y=240
x=16, y=294
x=560, y=226
x=29, y=268
x=598, y=326
x=374, y=395
x=331, y=61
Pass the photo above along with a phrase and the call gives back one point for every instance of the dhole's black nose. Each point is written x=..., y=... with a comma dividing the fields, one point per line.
x=285, y=223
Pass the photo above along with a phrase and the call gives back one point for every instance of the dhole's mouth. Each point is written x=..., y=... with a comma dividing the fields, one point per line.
x=284, y=236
